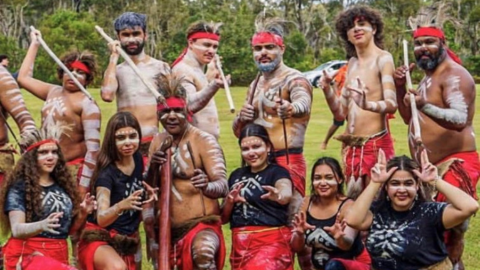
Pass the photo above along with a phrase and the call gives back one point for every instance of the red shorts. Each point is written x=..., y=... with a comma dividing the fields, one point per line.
x=86, y=251
x=260, y=247
x=361, y=262
x=181, y=255
x=358, y=160
x=56, y=249
x=297, y=169
x=463, y=172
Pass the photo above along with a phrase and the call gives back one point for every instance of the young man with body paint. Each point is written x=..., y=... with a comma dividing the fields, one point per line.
x=445, y=100
x=367, y=97
x=203, y=39
x=199, y=179
x=121, y=81
x=66, y=103
x=282, y=100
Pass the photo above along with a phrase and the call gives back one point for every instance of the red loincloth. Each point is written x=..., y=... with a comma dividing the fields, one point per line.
x=55, y=249
x=77, y=164
x=260, y=247
x=144, y=147
x=181, y=254
x=463, y=172
x=358, y=160
x=361, y=262
x=86, y=251
x=297, y=169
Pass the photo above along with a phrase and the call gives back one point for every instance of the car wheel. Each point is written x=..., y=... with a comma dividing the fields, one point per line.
x=316, y=81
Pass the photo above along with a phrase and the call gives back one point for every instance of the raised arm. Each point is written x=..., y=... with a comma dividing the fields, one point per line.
x=12, y=101
x=401, y=90
x=91, y=119
x=25, y=74
x=110, y=82
x=247, y=113
x=300, y=102
x=337, y=104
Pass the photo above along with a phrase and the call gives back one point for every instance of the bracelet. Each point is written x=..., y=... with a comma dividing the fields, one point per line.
x=117, y=210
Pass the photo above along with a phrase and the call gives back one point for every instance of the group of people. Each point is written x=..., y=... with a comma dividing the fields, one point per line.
x=377, y=211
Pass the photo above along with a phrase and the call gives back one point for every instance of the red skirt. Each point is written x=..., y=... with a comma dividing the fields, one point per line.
x=361, y=262
x=297, y=169
x=259, y=247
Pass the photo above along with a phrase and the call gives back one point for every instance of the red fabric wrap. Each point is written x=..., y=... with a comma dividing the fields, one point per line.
x=81, y=66
x=86, y=251
x=37, y=144
x=266, y=37
x=360, y=159
x=297, y=169
x=463, y=175
x=435, y=32
x=260, y=247
x=361, y=262
x=199, y=35
x=175, y=102
x=55, y=249
x=183, y=247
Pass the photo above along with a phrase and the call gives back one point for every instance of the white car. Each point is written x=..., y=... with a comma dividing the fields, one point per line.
x=314, y=75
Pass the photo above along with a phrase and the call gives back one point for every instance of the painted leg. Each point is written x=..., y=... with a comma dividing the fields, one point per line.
x=204, y=247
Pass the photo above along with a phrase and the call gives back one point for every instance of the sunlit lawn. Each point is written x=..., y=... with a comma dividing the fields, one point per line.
x=320, y=121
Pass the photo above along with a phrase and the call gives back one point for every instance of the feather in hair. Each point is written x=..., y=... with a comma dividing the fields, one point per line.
x=264, y=22
x=433, y=16
x=170, y=86
x=48, y=132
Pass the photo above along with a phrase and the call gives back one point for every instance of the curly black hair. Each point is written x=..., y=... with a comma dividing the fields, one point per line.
x=85, y=57
x=346, y=20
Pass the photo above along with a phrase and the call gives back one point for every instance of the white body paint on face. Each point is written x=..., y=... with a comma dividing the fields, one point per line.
x=129, y=136
x=48, y=150
x=79, y=76
x=430, y=46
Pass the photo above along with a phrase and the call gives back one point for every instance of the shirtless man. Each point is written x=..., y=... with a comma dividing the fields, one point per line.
x=446, y=105
x=282, y=99
x=12, y=103
x=121, y=81
x=367, y=97
x=203, y=39
x=66, y=103
x=196, y=187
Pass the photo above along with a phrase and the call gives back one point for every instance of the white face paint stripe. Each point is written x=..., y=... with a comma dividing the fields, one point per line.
x=430, y=46
x=126, y=141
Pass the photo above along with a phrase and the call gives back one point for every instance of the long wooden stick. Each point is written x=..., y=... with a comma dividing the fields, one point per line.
x=413, y=105
x=164, y=206
x=190, y=152
x=284, y=129
x=252, y=94
x=130, y=62
x=60, y=63
x=225, y=84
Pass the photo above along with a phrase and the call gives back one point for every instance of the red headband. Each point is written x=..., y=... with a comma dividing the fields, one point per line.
x=81, y=66
x=175, y=102
x=266, y=37
x=436, y=32
x=37, y=144
x=199, y=35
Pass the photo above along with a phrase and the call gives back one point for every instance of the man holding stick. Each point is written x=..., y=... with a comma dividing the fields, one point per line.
x=199, y=179
x=121, y=80
x=367, y=97
x=445, y=100
x=203, y=39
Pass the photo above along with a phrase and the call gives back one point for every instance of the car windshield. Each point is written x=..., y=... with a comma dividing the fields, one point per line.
x=322, y=66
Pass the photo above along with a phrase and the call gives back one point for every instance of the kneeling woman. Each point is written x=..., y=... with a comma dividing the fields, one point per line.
x=110, y=238
x=406, y=232
x=319, y=224
x=257, y=206
x=41, y=205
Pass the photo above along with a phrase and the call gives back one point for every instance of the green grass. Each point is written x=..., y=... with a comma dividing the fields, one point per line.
x=320, y=120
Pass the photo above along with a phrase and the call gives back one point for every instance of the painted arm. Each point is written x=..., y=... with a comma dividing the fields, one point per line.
x=197, y=100
x=23, y=230
x=300, y=225
x=300, y=100
x=12, y=100
x=91, y=120
x=232, y=198
x=401, y=90
x=389, y=102
x=25, y=74
x=106, y=214
x=458, y=96
x=215, y=169
x=461, y=207
x=281, y=193
x=344, y=235
x=110, y=82
x=246, y=115
x=337, y=104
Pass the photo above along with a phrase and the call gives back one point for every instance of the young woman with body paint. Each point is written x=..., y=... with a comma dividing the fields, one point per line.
x=41, y=206
x=320, y=222
x=257, y=206
x=405, y=231
x=111, y=234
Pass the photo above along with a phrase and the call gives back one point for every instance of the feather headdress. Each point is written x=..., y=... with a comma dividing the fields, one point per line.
x=170, y=86
x=269, y=29
x=49, y=133
x=434, y=16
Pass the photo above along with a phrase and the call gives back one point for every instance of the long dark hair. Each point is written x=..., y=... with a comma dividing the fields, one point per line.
x=26, y=170
x=108, y=152
x=258, y=131
x=337, y=171
x=403, y=163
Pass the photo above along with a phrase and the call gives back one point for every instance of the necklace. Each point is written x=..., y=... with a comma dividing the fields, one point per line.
x=177, y=145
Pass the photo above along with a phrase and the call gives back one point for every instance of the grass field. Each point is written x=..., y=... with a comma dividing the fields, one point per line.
x=320, y=120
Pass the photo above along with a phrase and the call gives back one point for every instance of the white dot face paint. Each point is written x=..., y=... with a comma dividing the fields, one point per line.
x=254, y=152
x=126, y=136
x=204, y=49
x=47, y=157
x=325, y=182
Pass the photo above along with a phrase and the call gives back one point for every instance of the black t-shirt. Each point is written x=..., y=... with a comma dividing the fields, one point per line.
x=121, y=186
x=54, y=199
x=324, y=246
x=407, y=240
x=258, y=211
